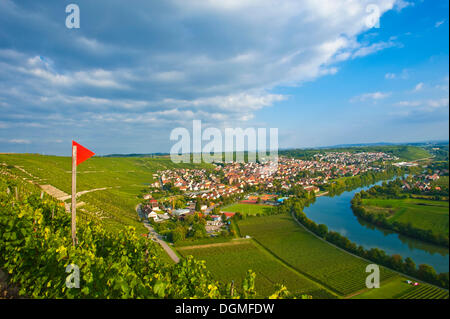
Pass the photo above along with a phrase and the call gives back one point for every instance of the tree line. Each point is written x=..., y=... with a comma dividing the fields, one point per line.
x=376, y=255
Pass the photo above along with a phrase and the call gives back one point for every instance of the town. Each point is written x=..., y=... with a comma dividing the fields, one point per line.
x=205, y=190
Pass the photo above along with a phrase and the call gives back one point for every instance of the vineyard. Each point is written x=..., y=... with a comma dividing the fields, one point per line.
x=36, y=248
x=425, y=292
x=124, y=179
x=316, y=259
x=230, y=261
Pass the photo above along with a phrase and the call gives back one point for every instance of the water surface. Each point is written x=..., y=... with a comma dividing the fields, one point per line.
x=336, y=213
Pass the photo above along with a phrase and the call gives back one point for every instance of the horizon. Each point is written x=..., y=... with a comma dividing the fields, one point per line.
x=322, y=74
x=324, y=147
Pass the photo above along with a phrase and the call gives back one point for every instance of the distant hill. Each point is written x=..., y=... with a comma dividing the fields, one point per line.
x=137, y=155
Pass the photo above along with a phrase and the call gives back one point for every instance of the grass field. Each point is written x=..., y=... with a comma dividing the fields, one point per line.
x=124, y=177
x=231, y=261
x=424, y=214
x=250, y=209
x=320, y=261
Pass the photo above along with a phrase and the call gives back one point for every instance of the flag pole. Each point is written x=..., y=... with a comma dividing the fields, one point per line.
x=74, y=194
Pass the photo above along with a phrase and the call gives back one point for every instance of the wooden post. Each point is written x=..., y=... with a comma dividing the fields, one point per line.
x=74, y=194
x=232, y=288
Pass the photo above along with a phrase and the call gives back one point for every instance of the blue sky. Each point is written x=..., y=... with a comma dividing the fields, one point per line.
x=131, y=73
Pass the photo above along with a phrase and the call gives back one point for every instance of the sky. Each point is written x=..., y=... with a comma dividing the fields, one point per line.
x=322, y=72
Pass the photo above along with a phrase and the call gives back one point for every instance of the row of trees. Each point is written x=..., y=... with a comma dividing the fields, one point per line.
x=343, y=184
x=381, y=220
x=393, y=190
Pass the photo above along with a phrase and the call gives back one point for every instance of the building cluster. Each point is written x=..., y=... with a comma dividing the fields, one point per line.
x=348, y=158
x=423, y=182
x=231, y=178
x=198, y=183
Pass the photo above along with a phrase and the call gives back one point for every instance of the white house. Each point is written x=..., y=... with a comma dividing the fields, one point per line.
x=153, y=215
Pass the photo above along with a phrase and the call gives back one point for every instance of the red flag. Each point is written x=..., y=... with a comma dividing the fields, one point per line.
x=82, y=153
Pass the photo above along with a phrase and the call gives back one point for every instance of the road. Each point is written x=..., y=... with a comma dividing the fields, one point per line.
x=158, y=238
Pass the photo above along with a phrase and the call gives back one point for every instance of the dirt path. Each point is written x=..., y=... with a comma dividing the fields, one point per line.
x=232, y=242
x=84, y=192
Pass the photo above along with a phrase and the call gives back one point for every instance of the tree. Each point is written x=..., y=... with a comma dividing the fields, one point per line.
x=178, y=234
x=198, y=205
x=322, y=230
x=426, y=272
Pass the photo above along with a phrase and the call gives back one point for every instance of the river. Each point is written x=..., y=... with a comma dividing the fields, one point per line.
x=336, y=213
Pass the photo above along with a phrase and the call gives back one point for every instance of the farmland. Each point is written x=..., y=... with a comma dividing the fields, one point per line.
x=280, y=251
x=423, y=214
x=399, y=289
x=250, y=209
x=424, y=292
x=314, y=258
x=124, y=177
x=231, y=261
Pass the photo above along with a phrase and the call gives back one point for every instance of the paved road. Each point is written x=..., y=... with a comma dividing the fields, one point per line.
x=158, y=238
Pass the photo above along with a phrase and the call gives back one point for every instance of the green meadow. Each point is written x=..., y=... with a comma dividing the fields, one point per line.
x=250, y=209
x=423, y=214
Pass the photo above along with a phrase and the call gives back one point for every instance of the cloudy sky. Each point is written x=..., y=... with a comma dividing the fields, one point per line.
x=319, y=71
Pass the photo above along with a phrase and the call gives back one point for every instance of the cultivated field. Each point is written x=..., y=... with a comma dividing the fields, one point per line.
x=230, y=261
x=124, y=179
x=316, y=259
x=424, y=292
x=423, y=214
x=397, y=288
x=250, y=209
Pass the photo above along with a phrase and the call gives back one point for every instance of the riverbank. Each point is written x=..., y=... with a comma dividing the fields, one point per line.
x=424, y=220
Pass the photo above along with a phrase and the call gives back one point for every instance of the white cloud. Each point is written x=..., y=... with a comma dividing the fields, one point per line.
x=429, y=104
x=204, y=59
x=19, y=141
x=401, y=4
x=373, y=48
x=370, y=96
x=439, y=23
x=390, y=76
x=418, y=87
x=445, y=85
